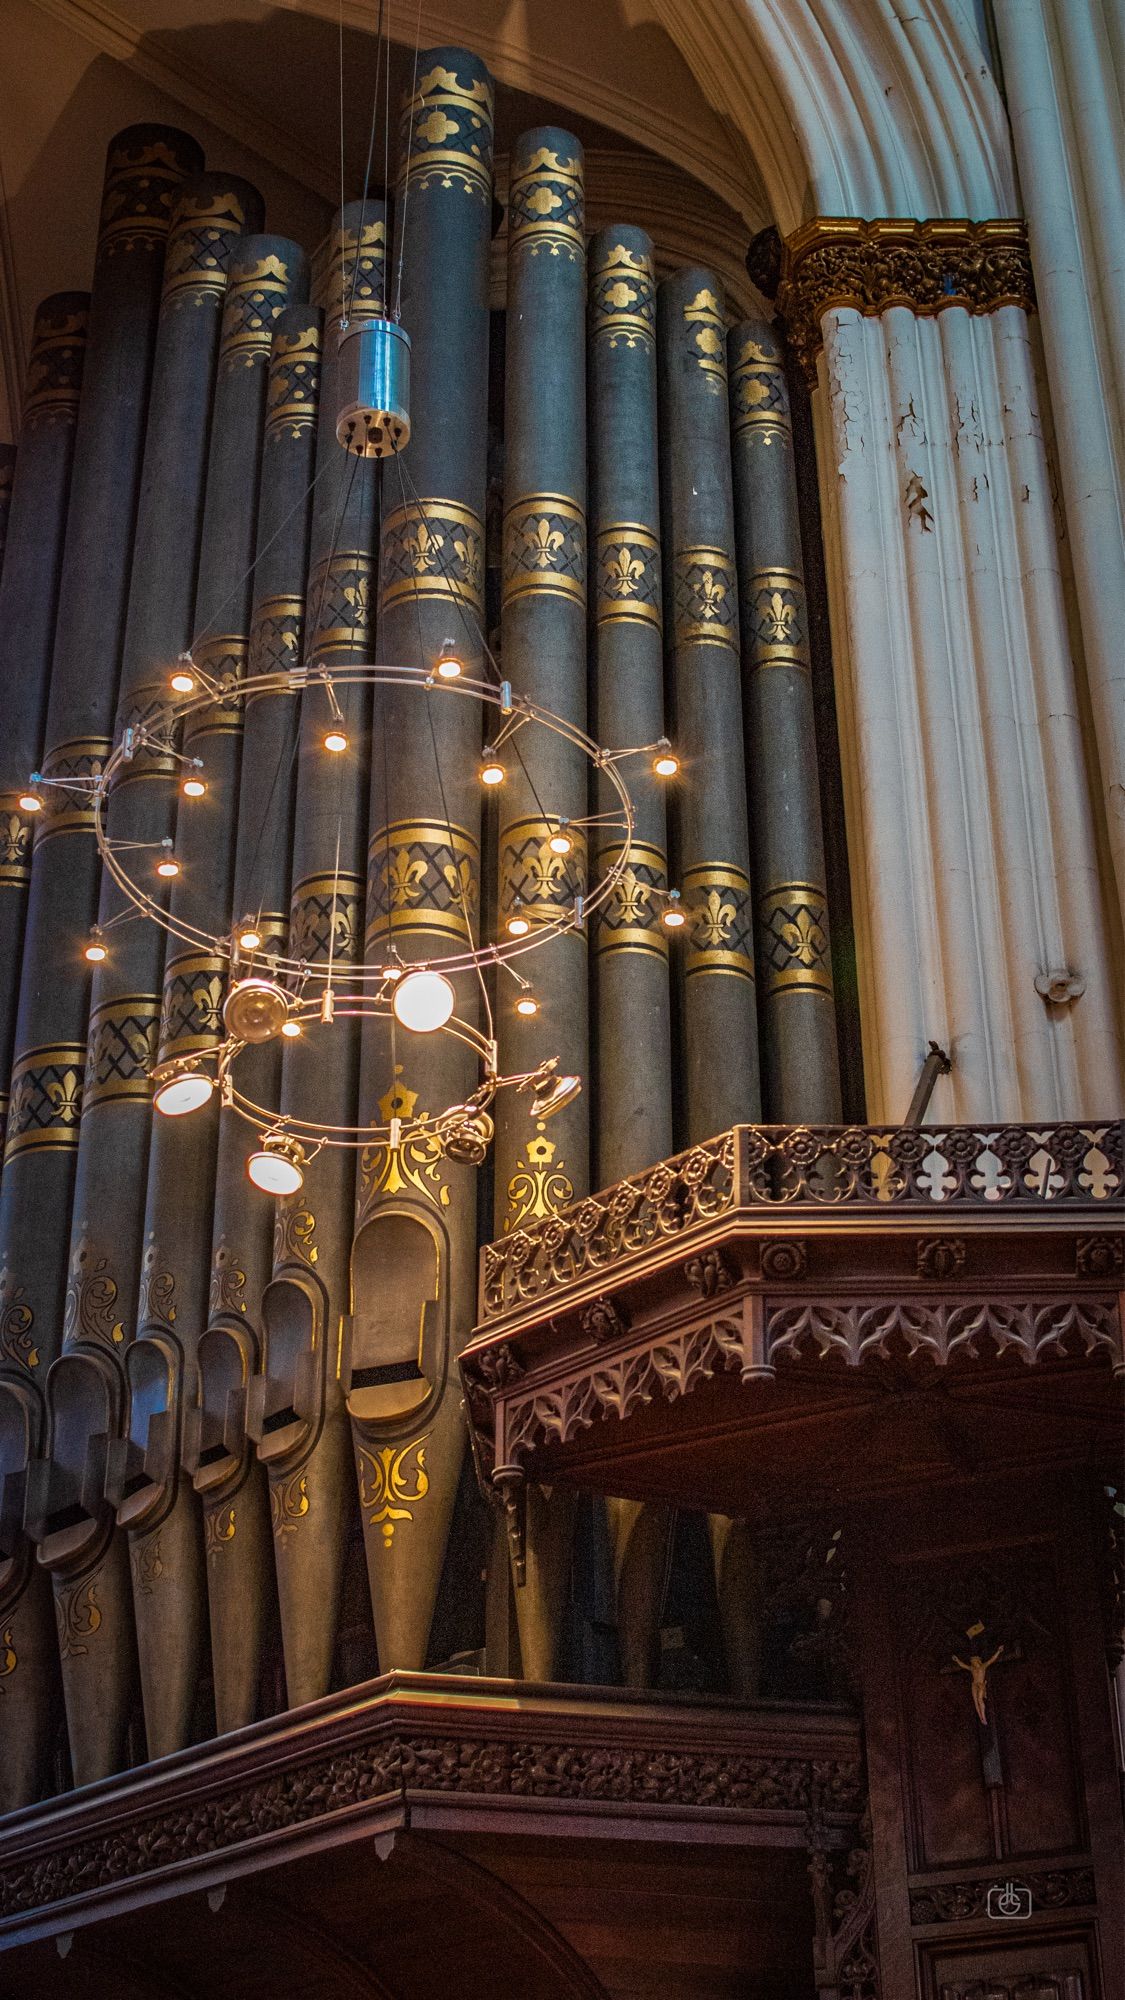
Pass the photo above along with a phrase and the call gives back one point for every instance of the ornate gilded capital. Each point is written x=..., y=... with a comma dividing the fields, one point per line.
x=838, y=261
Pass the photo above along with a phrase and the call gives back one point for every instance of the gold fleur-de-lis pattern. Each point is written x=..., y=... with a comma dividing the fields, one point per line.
x=294, y=383
x=544, y=548
x=325, y=915
x=775, y=621
x=623, y=296
x=707, y=340
x=717, y=903
x=759, y=395
x=392, y=1481
x=191, y=1016
x=540, y=1185
x=223, y=657
x=67, y=809
x=15, y=844
x=793, y=940
x=46, y=1101
x=275, y=642
x=205, y=228
x=705, y=597
x=142, y=179
x=546, y=208
x=544, y=883
x=433, y=549
x=339, y=599
x=54, y=369
x=422, y=877
x=627, y=576
x=629, y=919
x=258, y=289
x=121, y=1049
x=447, y=130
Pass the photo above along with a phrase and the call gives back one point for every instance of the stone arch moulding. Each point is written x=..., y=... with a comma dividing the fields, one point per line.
x=853, y=107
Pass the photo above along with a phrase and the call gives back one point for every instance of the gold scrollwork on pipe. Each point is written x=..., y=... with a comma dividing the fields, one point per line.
x=54, y=370
x=294, y=385
x=46, y=1101
x=354, y=274
x=704, y=597
x=706, y=324
x=289, y=1505
x=422, y=876
x=92, y=1295
x=66, y=810
x=544, y=548
x=191, y=1016
x=793, y=939
x=392, y=1480
x=433, y=549
x=717, y=904
x=629, y=919
x=545, y=884
x=448, y=126
x=540, y=1185
x=339, y=598
x=219, y=1527
x=627, y=576
x=294, y=1235
x=326, y=912
x=17, y=1322
x=837, y=263
x=204, y=228
x=759, y=393
x=623, y=297
x=78, y=1616
x=775, y=620
x=546, y=209
x=121, y=1049
x=143, y=178
x=256, y=292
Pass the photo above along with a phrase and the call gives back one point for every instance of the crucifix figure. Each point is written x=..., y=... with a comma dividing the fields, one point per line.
x=978, y=1671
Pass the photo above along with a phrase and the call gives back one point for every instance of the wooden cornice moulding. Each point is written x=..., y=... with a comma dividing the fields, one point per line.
x=435, y=1750
x=838, y=261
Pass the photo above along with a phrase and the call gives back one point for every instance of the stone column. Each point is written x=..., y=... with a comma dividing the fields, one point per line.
x=980, y=917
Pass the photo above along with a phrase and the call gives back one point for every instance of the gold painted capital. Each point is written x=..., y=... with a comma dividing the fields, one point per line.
x=256, y=293
x=546, y=206
x=204, y=230
x=838, y=262
x=353, y=278
x=623, y=296
x=54, y=369
x=433, y=548
x=294, y=384
x=447, y=124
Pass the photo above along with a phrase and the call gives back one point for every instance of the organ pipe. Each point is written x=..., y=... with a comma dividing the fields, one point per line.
x=544, y=655
x=158, y=1503
x=298, y=1411
x=109, y=1262
x=227, y=1474
x=796, y=1007
x=633, y=1060
x=7, y=480
x=413, y=1277
x=145, y=167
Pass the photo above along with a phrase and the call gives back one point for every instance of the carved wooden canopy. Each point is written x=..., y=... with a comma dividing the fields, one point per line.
x=790, y=1315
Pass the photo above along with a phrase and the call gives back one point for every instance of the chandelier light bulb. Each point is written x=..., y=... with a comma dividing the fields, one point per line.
x=183, y=682
x=95, y=950
x=665, y=763
x=491, y=770
x=167, y=866
x=672, y=916
x=193, y=788
x=278, y=1166
x=527, y=1004
x=187, y=1091
x=30, y=802
x=335, y=740
x=449, y=667
x=248, y=938
x=560, y=842
x=291, y=1028
x=423, y=1001
x=517, y=925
